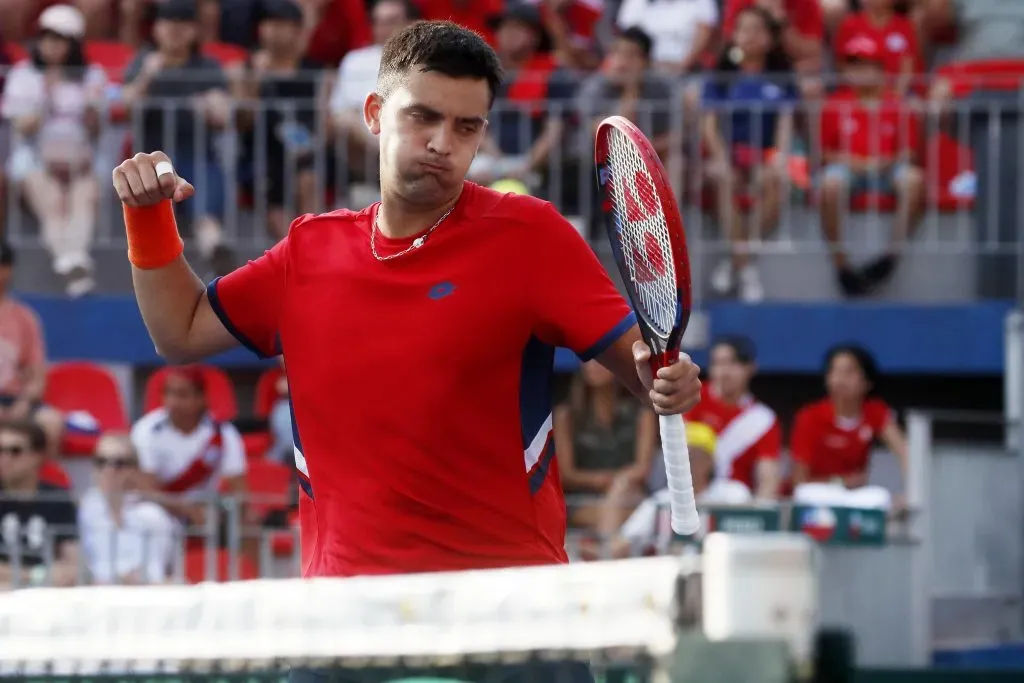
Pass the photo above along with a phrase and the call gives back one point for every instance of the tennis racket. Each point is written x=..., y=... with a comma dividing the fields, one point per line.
x=646, y=232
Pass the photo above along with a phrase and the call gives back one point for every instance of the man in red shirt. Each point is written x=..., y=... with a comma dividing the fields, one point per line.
x=419, y=333
x=895, y=36
x=868, y=140
x=749, y=439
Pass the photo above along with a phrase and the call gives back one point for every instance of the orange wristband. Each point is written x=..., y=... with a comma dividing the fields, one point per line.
x=153, y=239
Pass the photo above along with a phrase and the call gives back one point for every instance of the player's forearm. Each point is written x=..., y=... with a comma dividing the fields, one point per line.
x=169, y=299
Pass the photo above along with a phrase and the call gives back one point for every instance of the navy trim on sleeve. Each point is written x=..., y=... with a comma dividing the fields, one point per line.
x=218, y=308
x=609, y=338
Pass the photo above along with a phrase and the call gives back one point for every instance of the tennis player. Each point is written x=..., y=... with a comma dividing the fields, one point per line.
x=419, y=333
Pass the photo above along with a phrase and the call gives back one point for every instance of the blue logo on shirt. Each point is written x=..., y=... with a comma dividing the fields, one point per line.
x=441, y=290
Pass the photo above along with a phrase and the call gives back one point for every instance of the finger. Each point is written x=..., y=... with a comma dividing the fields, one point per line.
x=134, y=180
x=167, y=179
x=667, y=387
x=682, y=368
x=147, y=174
x=124, y=191
x=183, y=190
x=662, y=402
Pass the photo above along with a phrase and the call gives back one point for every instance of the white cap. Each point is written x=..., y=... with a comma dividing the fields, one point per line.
x=64, y=20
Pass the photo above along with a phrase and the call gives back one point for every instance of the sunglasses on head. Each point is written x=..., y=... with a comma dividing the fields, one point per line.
x=114, y=463
x=13, y=450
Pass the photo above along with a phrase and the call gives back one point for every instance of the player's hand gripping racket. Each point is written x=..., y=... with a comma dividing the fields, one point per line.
x=646, y=232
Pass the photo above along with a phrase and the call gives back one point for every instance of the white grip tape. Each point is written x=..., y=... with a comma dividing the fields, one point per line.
x=164, y=168
x=680, y=482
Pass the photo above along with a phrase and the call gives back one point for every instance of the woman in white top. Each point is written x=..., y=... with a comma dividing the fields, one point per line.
x=51, y=101
x=126, y=539
x=681, y=30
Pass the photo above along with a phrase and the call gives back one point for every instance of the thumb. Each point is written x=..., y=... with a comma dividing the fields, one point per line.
x=183, y=190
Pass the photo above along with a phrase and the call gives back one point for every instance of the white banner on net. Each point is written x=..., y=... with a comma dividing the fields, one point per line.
x=444, y=617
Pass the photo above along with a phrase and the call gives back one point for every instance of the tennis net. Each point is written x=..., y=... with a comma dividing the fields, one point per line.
x=622, y=618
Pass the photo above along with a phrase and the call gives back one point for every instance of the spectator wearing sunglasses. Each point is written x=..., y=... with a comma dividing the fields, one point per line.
x=126, y=539
x=38, y=531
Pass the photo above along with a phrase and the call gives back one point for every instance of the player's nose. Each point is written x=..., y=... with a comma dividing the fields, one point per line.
x=441, y=140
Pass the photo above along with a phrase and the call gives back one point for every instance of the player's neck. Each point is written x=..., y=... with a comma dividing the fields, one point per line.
x=846, y=407
x=398, y=219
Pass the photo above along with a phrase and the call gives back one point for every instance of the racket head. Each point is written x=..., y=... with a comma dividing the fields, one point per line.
x=646, y=232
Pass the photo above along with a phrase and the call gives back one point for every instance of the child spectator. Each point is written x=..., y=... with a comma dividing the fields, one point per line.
x=868, y=138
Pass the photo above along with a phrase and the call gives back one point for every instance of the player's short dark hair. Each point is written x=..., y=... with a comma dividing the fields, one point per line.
x=863, y=358
x=640, y=38
x=742, y=347
x=28, y=429
x=439, y=46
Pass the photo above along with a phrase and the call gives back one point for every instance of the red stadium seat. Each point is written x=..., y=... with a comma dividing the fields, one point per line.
x=269, y=484
x=947, y=164
x=195, y=566
x=220, y=392
x=16, y=52
x=225, y=53
x=266, y=391
x=111, y=56
x=283, y=541
x=86, y=388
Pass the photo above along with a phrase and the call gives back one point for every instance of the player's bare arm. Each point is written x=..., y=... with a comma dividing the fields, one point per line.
x=675, y=390
x=172, y=299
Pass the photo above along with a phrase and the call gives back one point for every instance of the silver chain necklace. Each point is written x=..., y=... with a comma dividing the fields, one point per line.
x=416, y=243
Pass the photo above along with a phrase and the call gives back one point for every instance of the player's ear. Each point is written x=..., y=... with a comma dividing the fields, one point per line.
x=372, y=109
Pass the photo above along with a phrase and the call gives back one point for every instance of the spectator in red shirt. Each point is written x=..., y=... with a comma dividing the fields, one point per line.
x=895, y=36
x=832, y=438
x=802, y=28
x=335, y=27
x=572, y=25
x=478, y=15
x=868, y=137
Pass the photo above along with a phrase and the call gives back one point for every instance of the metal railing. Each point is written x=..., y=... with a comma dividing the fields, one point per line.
x=293, y=155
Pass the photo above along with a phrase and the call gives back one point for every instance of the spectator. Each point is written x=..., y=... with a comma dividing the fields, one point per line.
x=868, y=138
x=357, y=77
x=749, y=437
x=894, y=36
x=801, y=28
x=682, y=30
x=20, y=17
x=333, y=29
x=278, y=91
x=126, y=540
x=185, y=455
x=180, y=96
x=529, y=123
x=478, y=15
x=604, y=444
x=38, y=535
x=281, y=421
x=572, y=26
x=648, y=530
x=832, y=438
x=52, y=103
x=23, y=362
x=748, y=133
x=629, y=87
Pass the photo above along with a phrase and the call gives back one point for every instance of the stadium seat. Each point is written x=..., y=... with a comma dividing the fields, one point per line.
x=195, y=566
x=258, y=443
x=16, y=52
x=269, y=485
x=283, y=540
x=220, y=392
x=949, y=173
x=112, y=56
x=90, y=399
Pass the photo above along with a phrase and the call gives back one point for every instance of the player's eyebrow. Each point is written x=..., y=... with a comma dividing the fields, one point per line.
x=431, y=113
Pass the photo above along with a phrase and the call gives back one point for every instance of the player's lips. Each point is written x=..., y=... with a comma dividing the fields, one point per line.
x=435, y=167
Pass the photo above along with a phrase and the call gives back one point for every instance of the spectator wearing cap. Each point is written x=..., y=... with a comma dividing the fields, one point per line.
x=681, y=30
x=125, y=539
x=534, y=102
x=894, y=35
x=20, y=17
x=52, y=102
x=357, y=78
x=629, y=87
x=277, y=91
x=23, y=362
x=178, y=96
x=801, y=27
x=185, y=454
x=868, y=140
x=748, y=132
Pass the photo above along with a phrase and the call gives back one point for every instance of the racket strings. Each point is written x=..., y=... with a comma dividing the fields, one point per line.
x=643, y=234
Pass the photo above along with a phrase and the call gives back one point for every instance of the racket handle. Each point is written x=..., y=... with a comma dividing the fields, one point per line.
x=680, y=482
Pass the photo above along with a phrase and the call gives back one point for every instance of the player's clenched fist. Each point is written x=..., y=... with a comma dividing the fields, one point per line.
x=148, y=179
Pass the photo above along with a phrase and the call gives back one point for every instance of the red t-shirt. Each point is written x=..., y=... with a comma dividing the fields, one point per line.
x=833, y=447
x=805, y=15
x=747, y=431
x=344, y=26
x=896, y=40
x=581, y=17
x=476, y=15
x=420, y=386
x=850, y=126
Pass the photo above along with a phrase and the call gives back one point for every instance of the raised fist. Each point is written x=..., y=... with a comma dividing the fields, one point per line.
x=148, y=179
